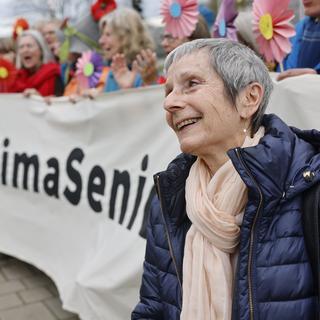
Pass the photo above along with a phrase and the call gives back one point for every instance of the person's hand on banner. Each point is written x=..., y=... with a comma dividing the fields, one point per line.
x=29, y=92
x=33, y=92
x=91, y=93
x=47, y=100
x=74, y=98
x=295, y=72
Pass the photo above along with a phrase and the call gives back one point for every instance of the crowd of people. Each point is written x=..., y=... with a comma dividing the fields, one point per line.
x=121, y=37
x=226, y=237
x=46, y=56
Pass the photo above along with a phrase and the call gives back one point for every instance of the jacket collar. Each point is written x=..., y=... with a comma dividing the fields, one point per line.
x=171, y=186
x=281, y=159
x=278, y=164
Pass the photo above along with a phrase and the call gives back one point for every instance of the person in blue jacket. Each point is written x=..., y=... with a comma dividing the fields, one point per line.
x=225, y=237
x=304, y=57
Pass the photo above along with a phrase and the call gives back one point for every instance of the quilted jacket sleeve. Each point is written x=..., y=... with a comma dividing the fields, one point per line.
x=150, y=306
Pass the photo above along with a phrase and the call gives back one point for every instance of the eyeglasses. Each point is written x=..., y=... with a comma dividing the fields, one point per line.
x=168, y=37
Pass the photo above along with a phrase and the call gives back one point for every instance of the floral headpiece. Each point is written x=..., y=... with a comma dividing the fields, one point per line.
x=224, y=24
x=19, y=26
x=7, y=74
x=89, y=69
x=271, y=25
x=180, y=17
x=101, y=8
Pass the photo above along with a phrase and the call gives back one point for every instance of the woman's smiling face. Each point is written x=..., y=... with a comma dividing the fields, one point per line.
x=109, y=43
x=197, y=108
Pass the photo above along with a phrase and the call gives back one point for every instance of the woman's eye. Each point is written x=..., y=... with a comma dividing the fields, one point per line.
x=192, y=83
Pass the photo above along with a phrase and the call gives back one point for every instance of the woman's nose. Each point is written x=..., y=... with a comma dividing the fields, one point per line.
x=173, y=102
x=22, y=49
x=101, y=40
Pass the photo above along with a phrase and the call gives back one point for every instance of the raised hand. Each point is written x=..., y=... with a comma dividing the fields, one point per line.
x=146, y=64
x=122, y=74
x=295, y=72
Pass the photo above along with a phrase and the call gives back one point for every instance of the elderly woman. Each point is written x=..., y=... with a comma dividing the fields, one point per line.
x=37, y=73
x=50, y=30
x=225, y=238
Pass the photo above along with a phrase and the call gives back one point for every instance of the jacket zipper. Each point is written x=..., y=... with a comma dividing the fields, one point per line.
x=251, y=235
x=168, y=236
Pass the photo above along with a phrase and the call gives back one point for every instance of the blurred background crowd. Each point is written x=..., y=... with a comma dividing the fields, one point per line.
x=84, y=48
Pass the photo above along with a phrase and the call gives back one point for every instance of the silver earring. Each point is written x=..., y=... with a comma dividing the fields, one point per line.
x=244, y=130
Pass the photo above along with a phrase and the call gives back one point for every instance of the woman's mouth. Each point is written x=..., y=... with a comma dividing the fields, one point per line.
x=27, y=58
x=184, y=123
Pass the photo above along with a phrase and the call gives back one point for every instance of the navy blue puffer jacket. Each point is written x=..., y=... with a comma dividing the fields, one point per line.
x=273, y=279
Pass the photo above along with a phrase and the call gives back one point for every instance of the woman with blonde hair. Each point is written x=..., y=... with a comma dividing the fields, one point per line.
x=126, y=25
x=123, y=37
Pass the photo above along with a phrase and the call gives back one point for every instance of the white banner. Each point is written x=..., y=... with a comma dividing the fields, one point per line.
x=76, y=180
x=74, y=189
x=296, y=100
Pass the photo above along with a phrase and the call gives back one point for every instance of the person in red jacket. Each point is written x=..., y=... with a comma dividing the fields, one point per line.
x=37, y=73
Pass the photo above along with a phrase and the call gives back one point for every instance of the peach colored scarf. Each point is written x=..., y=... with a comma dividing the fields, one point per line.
x=215, y=206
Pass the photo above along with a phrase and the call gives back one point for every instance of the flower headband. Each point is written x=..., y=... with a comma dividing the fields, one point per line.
x=101, y=8
x=19, y=26
x=180, y=17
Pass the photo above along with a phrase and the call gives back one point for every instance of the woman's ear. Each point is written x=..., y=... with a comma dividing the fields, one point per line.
x=249, y=100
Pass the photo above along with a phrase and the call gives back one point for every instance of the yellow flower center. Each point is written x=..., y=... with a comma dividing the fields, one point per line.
x=265, y=26
x=3, y=73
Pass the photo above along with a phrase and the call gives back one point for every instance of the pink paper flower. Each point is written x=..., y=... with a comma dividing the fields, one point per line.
x=271, y=25
x=89, y=69
x=180, y=17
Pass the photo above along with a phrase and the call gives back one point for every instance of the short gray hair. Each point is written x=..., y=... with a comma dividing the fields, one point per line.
x=47, y=56
x=237, y=66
